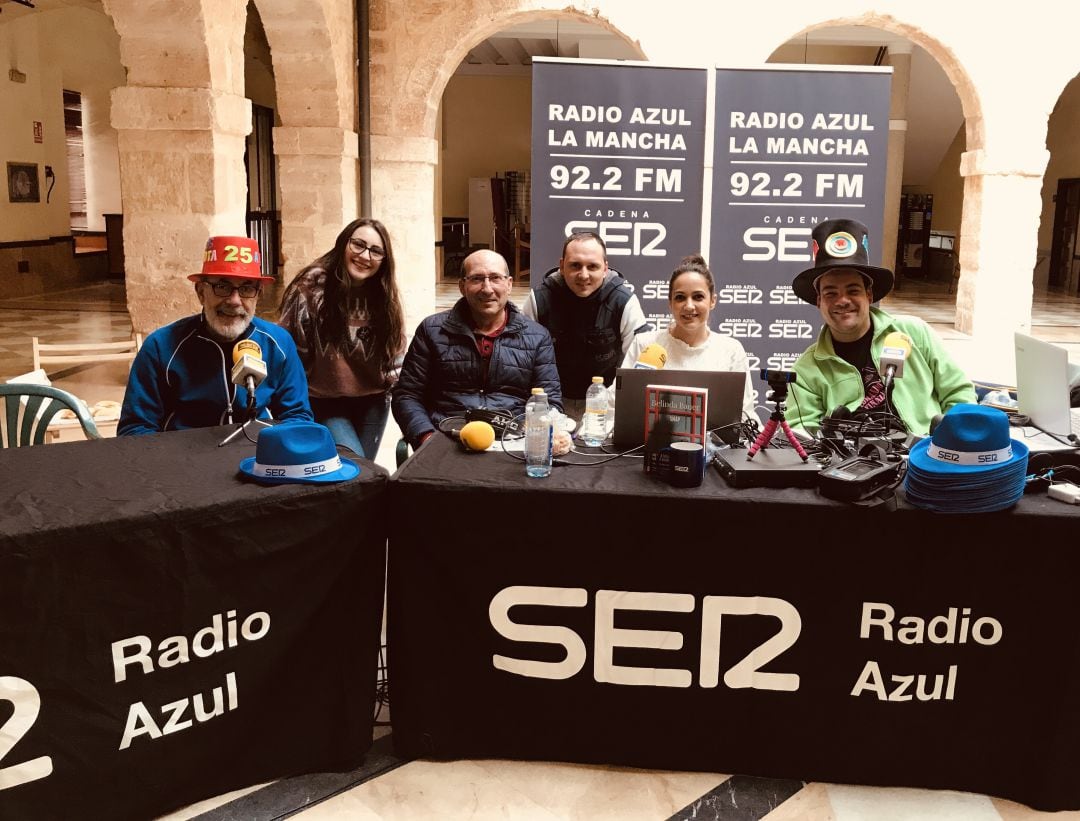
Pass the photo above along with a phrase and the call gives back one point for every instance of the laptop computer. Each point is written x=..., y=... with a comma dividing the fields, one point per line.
x=724, y=406
x=1043, y=377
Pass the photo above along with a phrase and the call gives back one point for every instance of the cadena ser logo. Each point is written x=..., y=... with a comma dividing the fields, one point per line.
x=659, y=322
x=739, y=295
x=782, y=361
x=791, y=329
x=655, y=289
x=783, y=295
x=740, y=328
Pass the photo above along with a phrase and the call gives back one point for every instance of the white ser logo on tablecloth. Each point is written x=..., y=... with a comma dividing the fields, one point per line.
x=606, y=637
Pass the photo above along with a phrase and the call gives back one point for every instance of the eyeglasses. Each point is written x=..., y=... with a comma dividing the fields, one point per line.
x=480, y=279
x=374, y=251
x=225, y=290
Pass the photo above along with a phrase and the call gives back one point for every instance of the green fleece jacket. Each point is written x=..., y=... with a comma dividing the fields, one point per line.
x=932, y=382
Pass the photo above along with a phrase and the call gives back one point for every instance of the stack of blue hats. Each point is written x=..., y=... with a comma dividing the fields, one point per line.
x=969, y=465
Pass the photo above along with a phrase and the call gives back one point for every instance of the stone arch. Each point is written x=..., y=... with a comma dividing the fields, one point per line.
x=185, y=44
x=1058, y=243
x=312, y=91
x=316, y=145
x=181, y=121
x=469, y=36
x=936, y=48
x=405, y=104
x=980, y=311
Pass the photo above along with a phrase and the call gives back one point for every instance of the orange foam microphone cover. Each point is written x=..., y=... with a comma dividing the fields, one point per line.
x=477, y=436
x=246, y=346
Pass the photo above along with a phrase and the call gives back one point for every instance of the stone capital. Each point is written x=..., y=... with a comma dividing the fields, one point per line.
x=1015, y=162
x=316, y=141
x=404, y=149
x=180, y=109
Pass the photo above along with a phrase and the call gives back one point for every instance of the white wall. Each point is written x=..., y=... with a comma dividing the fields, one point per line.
x=76, y=49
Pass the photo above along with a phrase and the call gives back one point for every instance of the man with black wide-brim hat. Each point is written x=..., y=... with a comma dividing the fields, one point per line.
x=841, y=367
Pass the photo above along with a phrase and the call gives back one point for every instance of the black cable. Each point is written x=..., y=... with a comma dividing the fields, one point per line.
x=382, y=687
x=1041, y=478
x=451, y=419
x=629, y=453
x=792, y=393
x=561, y=462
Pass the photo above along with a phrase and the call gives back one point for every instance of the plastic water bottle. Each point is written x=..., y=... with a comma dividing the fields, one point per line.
x=538, y=435
x=594, y=423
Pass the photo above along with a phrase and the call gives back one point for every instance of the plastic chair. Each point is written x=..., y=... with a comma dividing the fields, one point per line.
x=84, y=353
x=39, y=404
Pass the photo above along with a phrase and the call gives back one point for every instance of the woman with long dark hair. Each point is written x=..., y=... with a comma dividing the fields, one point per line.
x=344, y=311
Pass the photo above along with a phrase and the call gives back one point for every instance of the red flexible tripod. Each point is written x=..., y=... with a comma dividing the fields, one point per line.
x=778, y=395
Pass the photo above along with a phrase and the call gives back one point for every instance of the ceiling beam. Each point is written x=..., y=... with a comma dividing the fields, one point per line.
x=510, y=51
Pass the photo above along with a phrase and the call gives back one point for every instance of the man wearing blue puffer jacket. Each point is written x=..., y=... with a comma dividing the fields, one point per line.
x=482, y=353
x=181, y=376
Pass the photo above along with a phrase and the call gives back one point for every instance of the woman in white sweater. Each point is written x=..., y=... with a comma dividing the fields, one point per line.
x=690, y=344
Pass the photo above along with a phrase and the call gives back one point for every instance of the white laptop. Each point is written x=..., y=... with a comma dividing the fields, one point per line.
x=1043, y=378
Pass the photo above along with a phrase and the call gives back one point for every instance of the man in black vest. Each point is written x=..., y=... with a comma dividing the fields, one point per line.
x=591, y=313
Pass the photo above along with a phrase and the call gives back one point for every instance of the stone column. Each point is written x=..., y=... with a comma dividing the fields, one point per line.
x=317, y=175
x=403, y=179
x=900, y=59
x=1000, y=228
x=182, y=176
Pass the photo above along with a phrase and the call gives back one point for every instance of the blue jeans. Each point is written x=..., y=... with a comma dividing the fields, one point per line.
x=357, y=422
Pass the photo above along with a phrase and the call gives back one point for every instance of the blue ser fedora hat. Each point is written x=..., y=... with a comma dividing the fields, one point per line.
x=970, y=440
x=297, y=452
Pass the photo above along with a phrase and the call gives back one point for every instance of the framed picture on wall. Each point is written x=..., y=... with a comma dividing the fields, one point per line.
x=23, y=182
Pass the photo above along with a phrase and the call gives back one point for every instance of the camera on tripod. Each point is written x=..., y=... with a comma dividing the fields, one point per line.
x=778, y=383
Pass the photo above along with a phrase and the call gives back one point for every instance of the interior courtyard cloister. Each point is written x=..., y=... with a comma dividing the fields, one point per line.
x=152, y=125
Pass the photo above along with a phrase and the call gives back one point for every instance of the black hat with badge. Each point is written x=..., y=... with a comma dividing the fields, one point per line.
x=839, y=244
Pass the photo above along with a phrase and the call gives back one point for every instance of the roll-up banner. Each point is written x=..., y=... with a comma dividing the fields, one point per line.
x=793, y=146
x=623, y=149
x=619, y=149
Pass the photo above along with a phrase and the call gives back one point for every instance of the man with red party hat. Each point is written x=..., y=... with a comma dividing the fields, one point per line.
x=181, y=377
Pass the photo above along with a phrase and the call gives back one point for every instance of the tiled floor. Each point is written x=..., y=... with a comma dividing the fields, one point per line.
x=389, y=788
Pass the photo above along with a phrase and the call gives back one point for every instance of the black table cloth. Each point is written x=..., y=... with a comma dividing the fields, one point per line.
x=600, y=616
x=170, y=630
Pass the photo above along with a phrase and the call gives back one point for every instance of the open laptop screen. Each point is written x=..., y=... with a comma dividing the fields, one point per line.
x=1043, y=376
x=724, y=408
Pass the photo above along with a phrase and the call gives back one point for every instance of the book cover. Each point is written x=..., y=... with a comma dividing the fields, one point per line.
x=673, y=413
